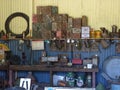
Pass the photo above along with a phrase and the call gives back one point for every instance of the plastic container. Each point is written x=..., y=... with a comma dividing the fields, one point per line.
x=115, y=86
x=70, y=79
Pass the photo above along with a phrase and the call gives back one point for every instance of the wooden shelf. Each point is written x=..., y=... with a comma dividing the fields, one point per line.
x=28, y=68
x=74, y=69
x=62, y=39
x=50, y=68
x=4, y=67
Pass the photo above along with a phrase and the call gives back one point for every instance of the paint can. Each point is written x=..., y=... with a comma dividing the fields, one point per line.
x=97, y=34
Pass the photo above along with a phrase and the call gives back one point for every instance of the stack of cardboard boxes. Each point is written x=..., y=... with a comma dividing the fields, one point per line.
x=49, y=24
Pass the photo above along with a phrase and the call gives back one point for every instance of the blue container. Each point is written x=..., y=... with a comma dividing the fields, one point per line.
x=115, y=86
x=112, y=63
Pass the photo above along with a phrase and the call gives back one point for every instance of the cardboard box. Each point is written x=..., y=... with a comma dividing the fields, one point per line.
x=64, y=25
x=49, y=59
x=77, y=23
x=47, y=10
x=37, y=18
x=85, y=62
x=59, y=34
x=54, y=26
x=85, y=35
x=76, y=35
x=70, y=22
x=85, y=29
x=76, y=30
x=60, y=17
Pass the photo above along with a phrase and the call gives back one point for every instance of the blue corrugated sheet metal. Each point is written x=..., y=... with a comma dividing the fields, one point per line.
x=44, y=76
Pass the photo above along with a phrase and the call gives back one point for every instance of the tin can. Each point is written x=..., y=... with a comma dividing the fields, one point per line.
x=97, y=34
x=84, y=21
x=92, y=34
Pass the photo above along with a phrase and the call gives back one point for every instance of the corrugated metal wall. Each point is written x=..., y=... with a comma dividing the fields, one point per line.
x=44, y=76
x=12, y=6
x=99, y=12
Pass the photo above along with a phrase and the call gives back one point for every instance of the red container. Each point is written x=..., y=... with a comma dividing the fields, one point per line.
x=76, y=61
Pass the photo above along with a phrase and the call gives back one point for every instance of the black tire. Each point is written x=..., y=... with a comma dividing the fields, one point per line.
x=7, y=27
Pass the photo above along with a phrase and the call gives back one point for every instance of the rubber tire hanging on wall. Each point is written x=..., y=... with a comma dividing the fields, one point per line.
x=7, y=24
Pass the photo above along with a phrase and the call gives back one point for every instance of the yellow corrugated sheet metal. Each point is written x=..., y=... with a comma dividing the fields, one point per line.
x=100, y=12
x=11, y=6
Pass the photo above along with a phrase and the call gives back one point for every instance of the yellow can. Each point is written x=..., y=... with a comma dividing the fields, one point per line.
x=97, y=34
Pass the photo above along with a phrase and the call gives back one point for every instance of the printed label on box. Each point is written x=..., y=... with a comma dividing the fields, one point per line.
x=85, y=29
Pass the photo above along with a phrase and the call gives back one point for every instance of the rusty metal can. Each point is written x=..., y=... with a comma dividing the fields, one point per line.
x=84, y=21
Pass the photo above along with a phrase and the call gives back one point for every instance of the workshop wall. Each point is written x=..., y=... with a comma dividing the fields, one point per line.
x=18, y=48
x=100, y=12
x=9, y=7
